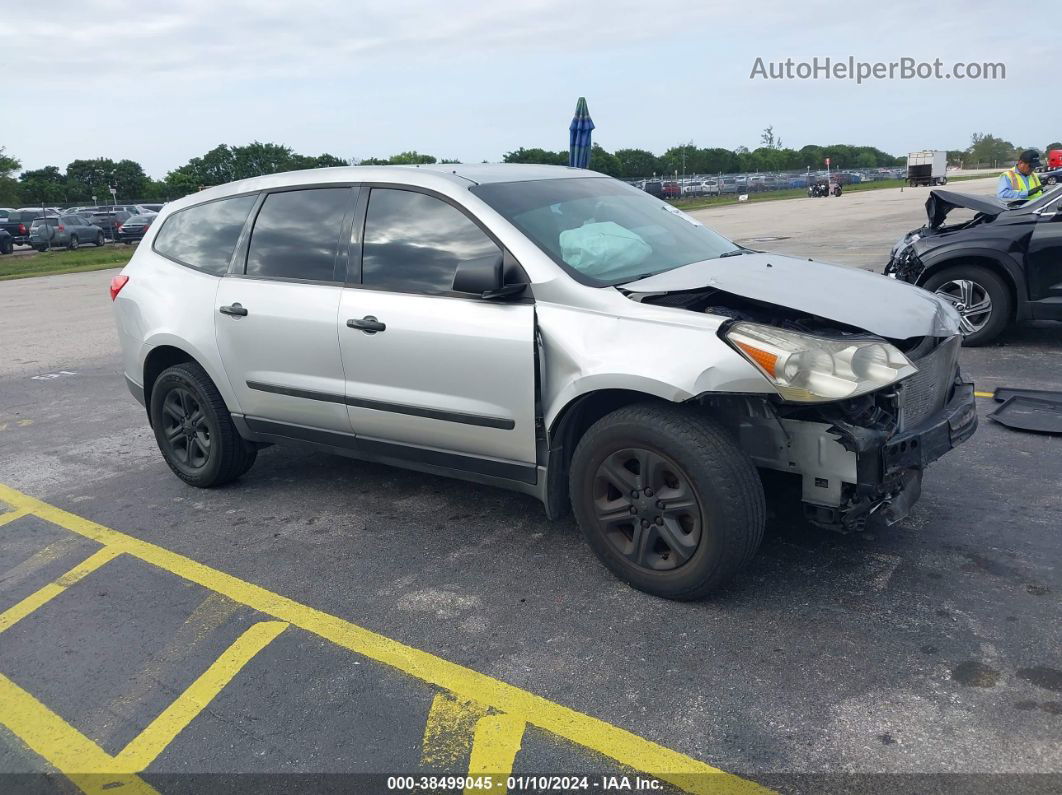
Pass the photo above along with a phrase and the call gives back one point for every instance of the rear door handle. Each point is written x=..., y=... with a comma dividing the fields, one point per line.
x=235, y=309
x=368, y=324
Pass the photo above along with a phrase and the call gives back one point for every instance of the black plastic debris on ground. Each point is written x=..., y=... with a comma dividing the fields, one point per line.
x=1025, y=413
x=1005, y=393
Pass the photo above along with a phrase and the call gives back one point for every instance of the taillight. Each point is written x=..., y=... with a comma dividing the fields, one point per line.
x=22, y=229
x=117, y=283
x=118, y=228
x=61, y=227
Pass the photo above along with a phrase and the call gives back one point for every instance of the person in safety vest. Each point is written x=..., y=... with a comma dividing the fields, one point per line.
x=1021, y=182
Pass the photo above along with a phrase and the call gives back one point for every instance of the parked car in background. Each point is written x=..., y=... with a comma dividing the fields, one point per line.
x=670, y=190
x=654, y=187
x=109, y=221
x=1003, y=265
x=132, y=229
x=1051, y=177
x=5, y=212
x=7, y=244
x=66, y=231
x=19, y=221
x=150, y=208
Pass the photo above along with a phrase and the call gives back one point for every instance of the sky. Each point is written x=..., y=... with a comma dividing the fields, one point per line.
x=163, y=81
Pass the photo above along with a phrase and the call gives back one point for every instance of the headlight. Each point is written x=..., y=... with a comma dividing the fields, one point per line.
x=813, y=369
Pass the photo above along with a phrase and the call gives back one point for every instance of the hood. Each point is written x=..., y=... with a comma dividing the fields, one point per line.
x=942, y=202
x=882, y=306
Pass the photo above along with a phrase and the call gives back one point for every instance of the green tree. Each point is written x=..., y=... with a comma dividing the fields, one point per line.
x=540, y=156
x=636, y=163
x=43, y=185
x=8, y=184
x=256, y=159
x=88, y=178
x=988, y=149
x=768, y=140
x=411, y=158
x=603, y=162
x=320, y=161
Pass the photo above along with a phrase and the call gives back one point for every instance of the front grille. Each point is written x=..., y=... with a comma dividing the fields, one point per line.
x=926, y=391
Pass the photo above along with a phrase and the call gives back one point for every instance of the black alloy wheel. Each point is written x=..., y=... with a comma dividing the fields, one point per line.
x=194, y=430
x=185, y=431
x=645, y=507
x=666, y=499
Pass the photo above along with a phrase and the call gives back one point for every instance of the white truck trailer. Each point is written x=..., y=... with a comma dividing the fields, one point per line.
x=928, y=167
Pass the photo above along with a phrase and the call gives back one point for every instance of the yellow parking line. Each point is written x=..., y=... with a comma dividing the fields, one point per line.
x=63, y=746
x=41, y=597
x=146, y=746
x=10, y=516
x=497, y=741
x=466, y=684
x=984, y=394
x=449, y=730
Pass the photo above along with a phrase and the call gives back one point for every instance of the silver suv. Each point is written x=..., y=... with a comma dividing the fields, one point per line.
x=545, y=329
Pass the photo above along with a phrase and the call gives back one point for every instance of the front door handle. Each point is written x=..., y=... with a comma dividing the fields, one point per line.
x=368, y=324
x=235, y=309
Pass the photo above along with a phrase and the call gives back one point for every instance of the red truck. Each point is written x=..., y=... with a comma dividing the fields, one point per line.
x=1054, y=159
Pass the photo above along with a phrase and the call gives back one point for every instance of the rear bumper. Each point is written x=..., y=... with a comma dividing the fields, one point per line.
x=136, y=391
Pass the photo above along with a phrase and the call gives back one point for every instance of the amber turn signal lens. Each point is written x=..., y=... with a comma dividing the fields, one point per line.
x=765, y=360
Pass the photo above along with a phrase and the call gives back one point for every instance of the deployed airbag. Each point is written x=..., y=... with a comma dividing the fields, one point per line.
x=603, y=249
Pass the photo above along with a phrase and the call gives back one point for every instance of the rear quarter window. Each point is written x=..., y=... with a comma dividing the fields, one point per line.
x=204, y=236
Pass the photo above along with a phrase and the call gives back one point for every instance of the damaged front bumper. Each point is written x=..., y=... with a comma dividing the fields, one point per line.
x=889, y=468
x=863, y=458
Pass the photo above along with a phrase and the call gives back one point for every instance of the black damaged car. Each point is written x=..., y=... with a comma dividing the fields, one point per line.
x=1002, y=266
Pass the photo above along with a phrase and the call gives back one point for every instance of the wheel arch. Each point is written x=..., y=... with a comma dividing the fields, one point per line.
x=159, y=359
x=568, y=427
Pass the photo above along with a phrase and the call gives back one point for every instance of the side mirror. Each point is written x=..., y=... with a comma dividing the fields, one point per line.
x=485, y=277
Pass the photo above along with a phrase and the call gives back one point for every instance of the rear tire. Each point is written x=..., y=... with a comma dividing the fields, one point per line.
x=667, y=500
x=194, y=430
x=74, y=243
x=6, y=246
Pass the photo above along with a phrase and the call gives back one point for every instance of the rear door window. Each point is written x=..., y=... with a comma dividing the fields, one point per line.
x=204, y=236
x=296, y=234
x=413, y=242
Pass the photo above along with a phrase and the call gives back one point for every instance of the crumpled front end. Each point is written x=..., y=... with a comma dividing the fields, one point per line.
x=863, y=458
x=904, y=263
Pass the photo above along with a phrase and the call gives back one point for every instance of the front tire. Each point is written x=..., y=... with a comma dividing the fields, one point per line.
x=666, y=500
x=981, y=298
x=100, y=240
x=194, y=430
x=74, y=243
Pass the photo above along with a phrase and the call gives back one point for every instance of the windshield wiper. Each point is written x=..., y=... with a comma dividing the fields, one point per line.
x=736, y=252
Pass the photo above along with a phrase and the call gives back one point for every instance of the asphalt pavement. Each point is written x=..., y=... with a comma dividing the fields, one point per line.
x=323, y=615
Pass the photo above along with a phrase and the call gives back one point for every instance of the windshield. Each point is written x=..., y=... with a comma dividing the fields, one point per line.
x=601, y=230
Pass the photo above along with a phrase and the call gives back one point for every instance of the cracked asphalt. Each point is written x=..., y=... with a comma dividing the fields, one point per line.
x=933, y=647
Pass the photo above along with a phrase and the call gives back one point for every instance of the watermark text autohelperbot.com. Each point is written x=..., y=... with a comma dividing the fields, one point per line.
x=863, y=71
